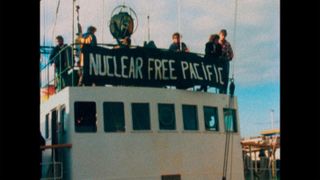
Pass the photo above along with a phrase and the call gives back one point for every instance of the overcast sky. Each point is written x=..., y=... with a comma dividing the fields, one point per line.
x=255, y=40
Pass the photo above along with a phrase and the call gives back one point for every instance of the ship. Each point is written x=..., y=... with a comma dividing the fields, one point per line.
x=137, y=116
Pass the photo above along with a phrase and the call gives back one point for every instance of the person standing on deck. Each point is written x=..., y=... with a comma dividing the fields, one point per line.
x=87, y=38
x=213, y=52
x=227, y=55
x=61, y=58
x=175, y=46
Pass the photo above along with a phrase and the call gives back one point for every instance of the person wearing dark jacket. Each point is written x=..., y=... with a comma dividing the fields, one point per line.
x=213, y=52
x=213, y=49
x=61, y=58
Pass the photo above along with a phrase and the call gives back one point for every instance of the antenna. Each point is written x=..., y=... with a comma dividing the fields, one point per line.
x=272, y=118
x=148, y=17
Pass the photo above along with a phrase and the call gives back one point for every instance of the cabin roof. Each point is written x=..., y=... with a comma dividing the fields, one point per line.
x=270, y=132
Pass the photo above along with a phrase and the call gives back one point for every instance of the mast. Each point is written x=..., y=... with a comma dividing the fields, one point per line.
x=73, y=4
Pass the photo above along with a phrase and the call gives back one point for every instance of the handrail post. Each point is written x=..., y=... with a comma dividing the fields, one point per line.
x=270, y=167
x=251, y=166
x=72, y=65
x=54, y=160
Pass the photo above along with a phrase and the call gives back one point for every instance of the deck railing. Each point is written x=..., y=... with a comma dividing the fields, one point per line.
x=54, y=79
x=53, y=170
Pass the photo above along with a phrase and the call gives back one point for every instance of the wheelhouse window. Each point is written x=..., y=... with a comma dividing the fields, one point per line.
x=140, y=116
x=113, y=113
x=230, y=121
x=211, y=118
x=47, y=126
x=171, y=177
x=62, y=114
x=167, y=120
x=85, y=117
x=190, y=117
x=54, y=126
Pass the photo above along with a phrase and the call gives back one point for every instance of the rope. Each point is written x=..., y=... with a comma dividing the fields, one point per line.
x=234, y=34
x=103, y=18
x=225, y=168
x=55, y=21
x=44, y=23
x=179, y=25
x=228, y=132
x=231, y=156
x=227, y=142
x=46, y=74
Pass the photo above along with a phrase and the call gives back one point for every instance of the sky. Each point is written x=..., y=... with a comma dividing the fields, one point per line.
x=254, y=33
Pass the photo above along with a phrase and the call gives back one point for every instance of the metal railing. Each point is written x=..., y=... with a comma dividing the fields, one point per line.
x=53, y=170
x=68, y=75
x=264, y=169
x=58, y=72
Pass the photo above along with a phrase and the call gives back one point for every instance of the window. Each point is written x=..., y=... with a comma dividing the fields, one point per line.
x=190, y=117
x=166, y=117
x=113, y=113
x=230, y=121
x=54, y=121
x=62, y=114
x=47, y=126
x=211, y=118
x=85, y=117
x=171, y=177
x=140, y=116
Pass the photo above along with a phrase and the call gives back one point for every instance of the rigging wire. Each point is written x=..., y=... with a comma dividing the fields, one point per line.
x=228, y=132
x=43, y=31
x=179, y=25
x=231, y=156
x=44, y=23
x=234, y=34
x=103, y=20
x=55, y=21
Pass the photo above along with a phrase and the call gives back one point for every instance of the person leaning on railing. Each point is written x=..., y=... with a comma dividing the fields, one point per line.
x=61, y=58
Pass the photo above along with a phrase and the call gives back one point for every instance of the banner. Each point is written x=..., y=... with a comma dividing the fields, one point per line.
x=148, y=67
